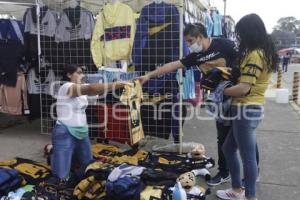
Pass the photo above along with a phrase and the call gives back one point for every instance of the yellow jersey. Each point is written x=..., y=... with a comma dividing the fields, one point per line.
x=254, y=71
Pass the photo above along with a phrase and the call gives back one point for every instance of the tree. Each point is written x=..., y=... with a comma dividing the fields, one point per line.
x=289, y=24
x=283, y=39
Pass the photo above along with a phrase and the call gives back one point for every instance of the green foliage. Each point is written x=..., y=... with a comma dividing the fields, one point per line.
x=288, y=24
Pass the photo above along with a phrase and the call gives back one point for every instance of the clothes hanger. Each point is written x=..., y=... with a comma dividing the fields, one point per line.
x=111, y=1
x=114, y=1
x=41, y=3
x=158, y=1
x=7, y=16
x=74, y=3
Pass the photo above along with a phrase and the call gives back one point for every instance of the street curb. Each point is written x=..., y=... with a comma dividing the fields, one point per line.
x=296, y=107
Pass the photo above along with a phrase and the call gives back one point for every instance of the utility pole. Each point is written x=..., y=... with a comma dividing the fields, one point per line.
x=224, y=8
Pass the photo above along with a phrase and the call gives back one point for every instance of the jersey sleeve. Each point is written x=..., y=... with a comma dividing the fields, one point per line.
x=251, y=69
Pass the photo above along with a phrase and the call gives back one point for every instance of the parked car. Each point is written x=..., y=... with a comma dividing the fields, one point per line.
x=295, y=58
x=294, y=52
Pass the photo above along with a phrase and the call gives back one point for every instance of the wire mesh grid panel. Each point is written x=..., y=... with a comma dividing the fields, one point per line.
x=113, y=40
x=157, y=41
x=65, y=31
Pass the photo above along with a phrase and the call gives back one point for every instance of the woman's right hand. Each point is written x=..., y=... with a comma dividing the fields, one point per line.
x=121, y=84
x=143, y=79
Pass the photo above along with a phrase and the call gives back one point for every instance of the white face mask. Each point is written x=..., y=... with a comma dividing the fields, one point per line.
x=237, y=44
x=195, y=48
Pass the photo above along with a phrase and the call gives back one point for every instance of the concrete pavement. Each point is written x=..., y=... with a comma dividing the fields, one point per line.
x=278, y=138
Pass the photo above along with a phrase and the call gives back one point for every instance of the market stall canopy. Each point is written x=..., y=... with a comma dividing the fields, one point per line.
x=9, y=8
x=288, y=50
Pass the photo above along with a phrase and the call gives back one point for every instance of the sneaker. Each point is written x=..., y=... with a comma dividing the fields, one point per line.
x=218, y=179
x=229, y=194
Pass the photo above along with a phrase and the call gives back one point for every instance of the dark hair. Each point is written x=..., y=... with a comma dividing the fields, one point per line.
x=251, y=33
x=195, y=30
x=69, y=69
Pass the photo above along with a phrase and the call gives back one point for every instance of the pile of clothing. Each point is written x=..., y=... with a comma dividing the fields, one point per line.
x=113, y=175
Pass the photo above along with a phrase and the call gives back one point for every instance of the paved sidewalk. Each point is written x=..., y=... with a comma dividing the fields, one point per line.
x=287, y=78
x=24, y=141
x=278, y=139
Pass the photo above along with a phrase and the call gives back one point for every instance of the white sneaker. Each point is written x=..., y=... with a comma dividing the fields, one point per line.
x=229, y=194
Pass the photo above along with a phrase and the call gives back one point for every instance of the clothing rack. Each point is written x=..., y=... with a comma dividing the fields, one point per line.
x=46, y=126
x=138, y=4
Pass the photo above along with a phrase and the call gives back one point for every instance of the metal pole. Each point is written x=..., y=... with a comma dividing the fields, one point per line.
x=296, y=87
x=279, y=78
x=181, y=11
x=38, y=9
x=225, y=7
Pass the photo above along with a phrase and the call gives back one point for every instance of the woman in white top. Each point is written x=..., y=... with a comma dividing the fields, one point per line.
x=70, y=135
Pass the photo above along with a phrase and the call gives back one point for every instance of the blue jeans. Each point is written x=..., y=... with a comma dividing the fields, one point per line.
x=67, y=148
x=222, y=132
x=243, y=137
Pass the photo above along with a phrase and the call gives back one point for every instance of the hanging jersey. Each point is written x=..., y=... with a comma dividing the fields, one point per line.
x=157, y=37
x=13, y=100
x=47, y=22
x=113, y=35
x=37, y=86
x=132, y=96
x=12, y=30
x=67, y=31
x=11, y=53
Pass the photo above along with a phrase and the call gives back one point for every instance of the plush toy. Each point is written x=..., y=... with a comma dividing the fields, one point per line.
x=187, y=180
x=193, y=192
x=198, y=152
x=200, y=162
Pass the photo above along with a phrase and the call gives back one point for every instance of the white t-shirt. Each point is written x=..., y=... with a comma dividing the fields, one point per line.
x=71, y=110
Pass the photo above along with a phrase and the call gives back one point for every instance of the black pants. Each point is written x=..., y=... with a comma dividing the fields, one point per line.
x=222, y=134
